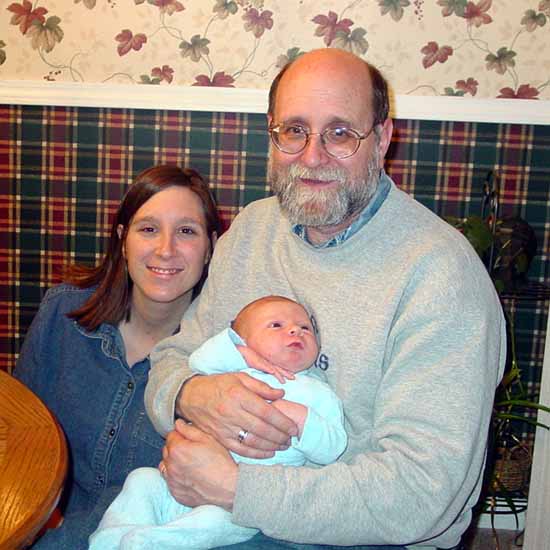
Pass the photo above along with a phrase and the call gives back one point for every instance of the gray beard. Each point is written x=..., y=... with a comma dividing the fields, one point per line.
x=322, y=207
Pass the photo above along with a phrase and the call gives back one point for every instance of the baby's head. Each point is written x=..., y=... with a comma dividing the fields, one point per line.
x=280, y=330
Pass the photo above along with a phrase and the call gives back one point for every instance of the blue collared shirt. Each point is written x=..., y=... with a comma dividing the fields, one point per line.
x=382, y=190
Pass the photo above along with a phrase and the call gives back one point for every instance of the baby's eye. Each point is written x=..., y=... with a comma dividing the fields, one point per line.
x=306, y=327
x=275, y=324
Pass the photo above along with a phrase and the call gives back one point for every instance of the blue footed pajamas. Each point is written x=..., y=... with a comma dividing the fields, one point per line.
x=146, y=516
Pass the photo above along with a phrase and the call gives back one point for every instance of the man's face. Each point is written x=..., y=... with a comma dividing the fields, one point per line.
x=315, y=189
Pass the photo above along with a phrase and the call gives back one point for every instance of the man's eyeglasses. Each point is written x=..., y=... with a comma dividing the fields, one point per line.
x=338, y=141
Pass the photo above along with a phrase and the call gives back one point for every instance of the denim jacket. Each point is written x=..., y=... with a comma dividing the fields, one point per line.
x=84, y=379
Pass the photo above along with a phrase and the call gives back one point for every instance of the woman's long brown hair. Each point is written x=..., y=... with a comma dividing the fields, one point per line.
x=110, y=302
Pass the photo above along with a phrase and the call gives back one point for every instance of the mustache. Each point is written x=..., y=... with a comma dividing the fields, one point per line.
x=296, y=171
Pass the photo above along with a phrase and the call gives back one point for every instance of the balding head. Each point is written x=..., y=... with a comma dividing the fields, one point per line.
x=336, y=62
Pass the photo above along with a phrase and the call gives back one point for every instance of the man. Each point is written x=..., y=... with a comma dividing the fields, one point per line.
x=412, y=336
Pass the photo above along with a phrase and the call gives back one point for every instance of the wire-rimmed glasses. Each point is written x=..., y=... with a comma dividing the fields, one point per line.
x=339, y=142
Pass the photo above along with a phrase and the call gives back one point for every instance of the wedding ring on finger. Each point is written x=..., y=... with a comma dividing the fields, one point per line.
x=242, y=435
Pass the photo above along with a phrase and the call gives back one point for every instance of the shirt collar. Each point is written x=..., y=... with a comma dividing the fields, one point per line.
x=382, y=190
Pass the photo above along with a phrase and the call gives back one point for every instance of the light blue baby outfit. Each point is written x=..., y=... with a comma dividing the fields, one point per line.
x=145, y=515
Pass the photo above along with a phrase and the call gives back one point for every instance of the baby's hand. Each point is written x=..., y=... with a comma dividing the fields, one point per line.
x=256, y=361
x=295, y=411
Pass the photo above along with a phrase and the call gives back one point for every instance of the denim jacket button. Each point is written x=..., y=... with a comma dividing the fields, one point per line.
x=130, y=386
x=112, y=432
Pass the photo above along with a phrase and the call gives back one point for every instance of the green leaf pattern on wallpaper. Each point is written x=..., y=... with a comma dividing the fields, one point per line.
x=483, y=48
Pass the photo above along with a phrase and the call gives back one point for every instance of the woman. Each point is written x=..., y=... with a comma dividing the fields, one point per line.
x=86, y=352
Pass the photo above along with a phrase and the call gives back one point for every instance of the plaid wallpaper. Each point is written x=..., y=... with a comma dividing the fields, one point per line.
x=63, y=171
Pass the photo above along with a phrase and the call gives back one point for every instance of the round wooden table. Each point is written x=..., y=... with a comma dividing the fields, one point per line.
x=33, y=463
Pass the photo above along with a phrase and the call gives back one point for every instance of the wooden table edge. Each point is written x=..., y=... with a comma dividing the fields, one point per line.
x=25, y=535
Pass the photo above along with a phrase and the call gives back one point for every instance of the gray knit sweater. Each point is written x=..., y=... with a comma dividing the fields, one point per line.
x=413, y=343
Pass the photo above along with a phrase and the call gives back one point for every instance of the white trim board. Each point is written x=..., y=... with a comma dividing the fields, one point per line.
x=244, y=100
x=537, y=534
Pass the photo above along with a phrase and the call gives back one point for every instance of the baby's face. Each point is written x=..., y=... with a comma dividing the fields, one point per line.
x=281, y=331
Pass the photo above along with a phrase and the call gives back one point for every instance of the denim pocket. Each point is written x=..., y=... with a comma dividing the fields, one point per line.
x=144, y=431
x=146, y=448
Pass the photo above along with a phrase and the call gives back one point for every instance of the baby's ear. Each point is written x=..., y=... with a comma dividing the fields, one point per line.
x=314, y=323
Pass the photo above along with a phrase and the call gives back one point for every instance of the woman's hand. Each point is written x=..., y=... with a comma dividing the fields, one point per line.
x=224, y=405
x=197, y=469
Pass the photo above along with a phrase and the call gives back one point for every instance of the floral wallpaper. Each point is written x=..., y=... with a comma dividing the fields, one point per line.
x=473, y=48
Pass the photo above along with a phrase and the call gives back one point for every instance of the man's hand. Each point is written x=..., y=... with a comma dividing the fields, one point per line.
x=256, y=361
x=224, y=404
x=197, y=469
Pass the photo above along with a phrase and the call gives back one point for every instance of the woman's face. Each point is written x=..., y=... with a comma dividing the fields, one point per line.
x=167, y=247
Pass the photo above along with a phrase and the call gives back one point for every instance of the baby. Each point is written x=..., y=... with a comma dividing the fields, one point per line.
x=145, y=515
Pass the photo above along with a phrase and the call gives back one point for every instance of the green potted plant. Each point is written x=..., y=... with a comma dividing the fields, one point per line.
x=506, y=247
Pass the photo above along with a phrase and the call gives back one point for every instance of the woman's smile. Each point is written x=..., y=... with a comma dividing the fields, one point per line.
x=166, y=271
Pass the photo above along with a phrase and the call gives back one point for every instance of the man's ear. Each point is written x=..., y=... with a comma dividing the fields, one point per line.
x=385, y=137
x=269, y=120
